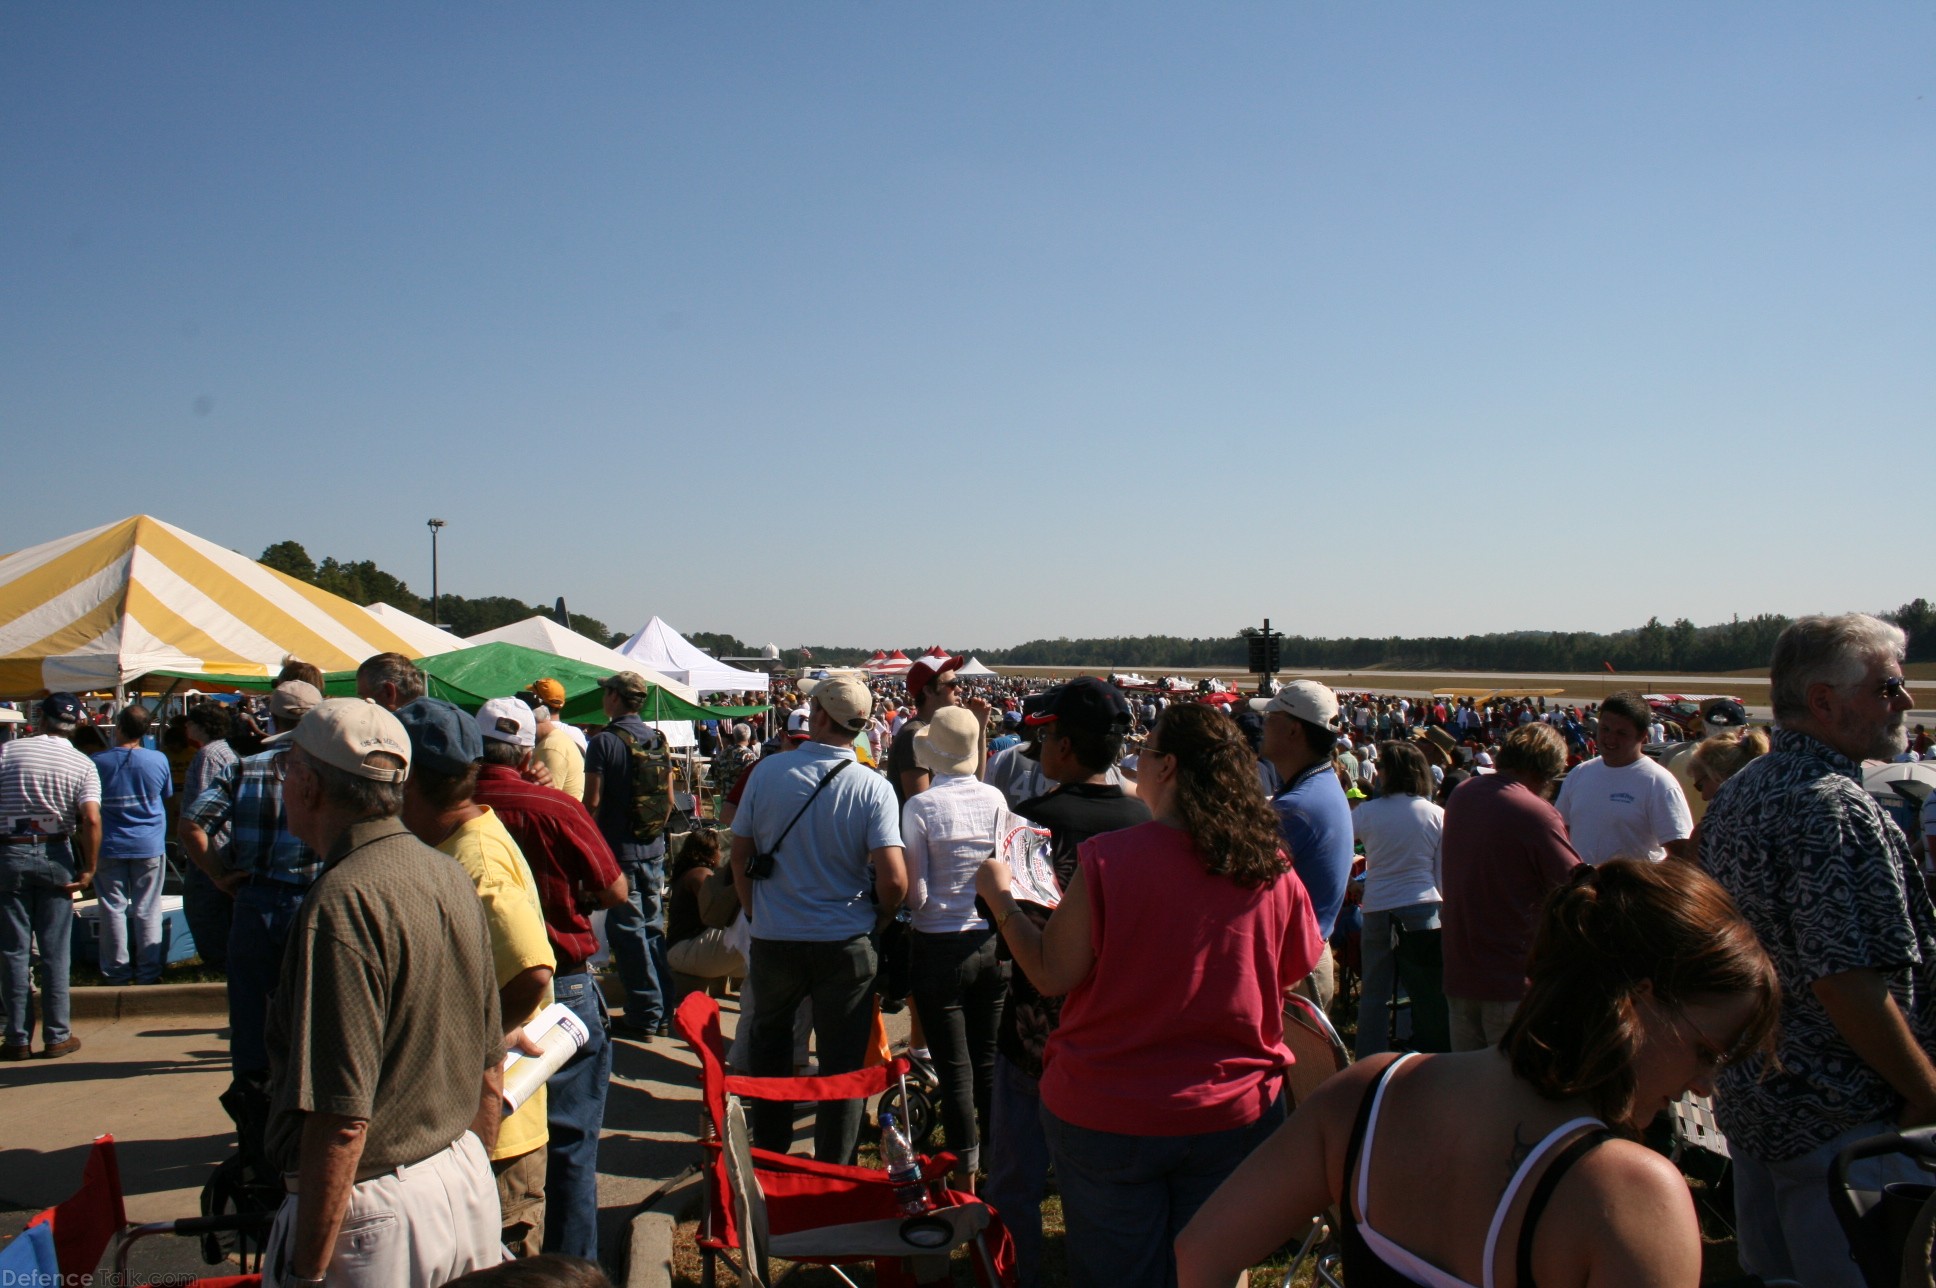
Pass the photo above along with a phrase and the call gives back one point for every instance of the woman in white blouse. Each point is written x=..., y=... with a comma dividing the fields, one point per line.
x=958, y=980
x=1400, y=830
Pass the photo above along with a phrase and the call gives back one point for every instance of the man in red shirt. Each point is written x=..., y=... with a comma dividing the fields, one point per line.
x=575, y=872
x=1504, y=850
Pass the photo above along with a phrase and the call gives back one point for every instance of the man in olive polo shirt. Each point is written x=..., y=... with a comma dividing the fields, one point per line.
x=385, y=1052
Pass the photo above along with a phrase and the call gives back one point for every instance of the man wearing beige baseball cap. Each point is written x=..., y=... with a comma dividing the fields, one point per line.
x=810, y=824
x=384, y=1044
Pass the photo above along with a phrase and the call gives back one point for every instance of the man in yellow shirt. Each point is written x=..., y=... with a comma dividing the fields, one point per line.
x=560, y=748
x=445, y=748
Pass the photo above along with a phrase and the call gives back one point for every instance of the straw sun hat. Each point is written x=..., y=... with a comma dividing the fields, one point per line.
x=950, y=743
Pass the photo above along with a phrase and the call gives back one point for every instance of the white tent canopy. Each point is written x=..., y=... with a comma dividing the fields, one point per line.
x=547, y=636
x=670, y=653
x=424, y=637
x=973, y=666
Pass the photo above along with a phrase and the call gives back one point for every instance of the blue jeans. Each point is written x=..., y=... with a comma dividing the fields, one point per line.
x=33, y=911
x=1018, y=1165
x=636, y=930
x=838, y=976
x=265, y=910
x=130, y=919
x=1381, y=972
x=574, y=1114
x=209, y=913
x=1785, y=1228
x=1126, y=1198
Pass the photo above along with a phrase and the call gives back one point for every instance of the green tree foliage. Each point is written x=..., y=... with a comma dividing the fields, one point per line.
x=289, y=557
x=362, y=582
x=1657, y=646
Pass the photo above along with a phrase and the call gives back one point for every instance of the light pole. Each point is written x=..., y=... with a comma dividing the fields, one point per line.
x=436, y=614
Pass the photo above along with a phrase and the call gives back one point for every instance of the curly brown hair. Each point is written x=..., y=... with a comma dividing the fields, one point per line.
x=1218, y=797
x=1578, y=1031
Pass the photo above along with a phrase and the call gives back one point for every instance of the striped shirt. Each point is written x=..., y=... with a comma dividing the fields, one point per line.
x=248, y=794
x=44, y=782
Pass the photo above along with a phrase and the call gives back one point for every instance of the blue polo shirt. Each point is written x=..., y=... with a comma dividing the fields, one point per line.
x=821, y=887
x=1315, y=819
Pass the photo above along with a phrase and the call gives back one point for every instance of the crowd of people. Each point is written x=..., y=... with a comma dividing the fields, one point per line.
x=397, y=887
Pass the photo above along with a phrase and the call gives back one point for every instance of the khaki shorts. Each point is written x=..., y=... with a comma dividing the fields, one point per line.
x=1477, y=1026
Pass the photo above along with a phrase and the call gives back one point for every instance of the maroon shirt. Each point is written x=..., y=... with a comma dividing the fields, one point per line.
x=1504, y=851
x=564, y=848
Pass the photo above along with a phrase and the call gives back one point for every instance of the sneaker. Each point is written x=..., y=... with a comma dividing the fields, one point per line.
x=12, y=1052
x=624, y=1028
x=59, y=1049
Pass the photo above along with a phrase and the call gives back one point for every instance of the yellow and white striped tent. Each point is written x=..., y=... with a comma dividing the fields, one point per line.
x=106, y=606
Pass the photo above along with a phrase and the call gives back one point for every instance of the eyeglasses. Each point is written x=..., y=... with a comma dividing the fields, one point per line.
x=1893, y=687
x=947, y=684
x=1154, y=751
x=1712, y=1055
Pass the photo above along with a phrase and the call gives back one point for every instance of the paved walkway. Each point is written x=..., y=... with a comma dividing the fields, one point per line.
x=153, y=1082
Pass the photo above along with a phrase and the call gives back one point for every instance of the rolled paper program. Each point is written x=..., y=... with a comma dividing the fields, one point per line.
x=560, y=1033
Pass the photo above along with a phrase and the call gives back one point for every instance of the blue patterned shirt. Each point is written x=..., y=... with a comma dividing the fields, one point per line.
x=248, y=794
x=1825, y=878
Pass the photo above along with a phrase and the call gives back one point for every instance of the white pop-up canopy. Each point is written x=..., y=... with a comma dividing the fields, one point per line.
x=667, y=651
x=973, y=666
x=548, y=636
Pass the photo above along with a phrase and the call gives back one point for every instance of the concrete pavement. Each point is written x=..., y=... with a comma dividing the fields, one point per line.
x=152, y=1081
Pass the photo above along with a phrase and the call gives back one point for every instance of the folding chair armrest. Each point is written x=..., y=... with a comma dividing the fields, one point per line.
x=835, y=1086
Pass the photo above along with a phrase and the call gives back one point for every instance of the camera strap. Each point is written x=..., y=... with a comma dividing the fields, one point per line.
x=832, y=774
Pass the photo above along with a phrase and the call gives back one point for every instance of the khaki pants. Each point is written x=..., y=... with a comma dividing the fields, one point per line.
x=706, y=956
x=419, y=1226
x=1477, y=1025
x=1322, y=983
x=520, y=1196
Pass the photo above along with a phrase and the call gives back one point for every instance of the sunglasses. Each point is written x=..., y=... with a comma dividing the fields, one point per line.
x=1894, y=686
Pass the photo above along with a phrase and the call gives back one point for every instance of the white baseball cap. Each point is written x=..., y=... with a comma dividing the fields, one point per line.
x=508, y=720
x=1307, y=700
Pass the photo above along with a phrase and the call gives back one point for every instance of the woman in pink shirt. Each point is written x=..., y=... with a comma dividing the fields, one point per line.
x=1174, y=944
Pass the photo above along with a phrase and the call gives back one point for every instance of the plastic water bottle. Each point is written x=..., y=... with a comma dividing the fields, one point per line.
x=903, y=1168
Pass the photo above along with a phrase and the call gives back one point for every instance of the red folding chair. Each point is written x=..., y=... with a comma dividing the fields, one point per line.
x=87, y=1221
x=804, y=1200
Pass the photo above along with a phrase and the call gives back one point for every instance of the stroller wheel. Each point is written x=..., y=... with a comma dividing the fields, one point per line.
x=917, y=1116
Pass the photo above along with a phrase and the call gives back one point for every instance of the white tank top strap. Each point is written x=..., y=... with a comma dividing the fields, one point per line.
x=1371, y=1134
x=1548, y=1143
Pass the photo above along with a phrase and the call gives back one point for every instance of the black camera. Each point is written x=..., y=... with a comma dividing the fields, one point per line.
x=759, y=867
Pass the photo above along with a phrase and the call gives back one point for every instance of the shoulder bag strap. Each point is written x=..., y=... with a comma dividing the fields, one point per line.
x=832, y=774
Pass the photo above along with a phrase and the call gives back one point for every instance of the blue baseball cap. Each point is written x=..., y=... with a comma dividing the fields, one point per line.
x=443, y=736
x=64, y=707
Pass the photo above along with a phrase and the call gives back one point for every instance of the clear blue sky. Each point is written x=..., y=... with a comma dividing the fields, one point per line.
x=875, y=323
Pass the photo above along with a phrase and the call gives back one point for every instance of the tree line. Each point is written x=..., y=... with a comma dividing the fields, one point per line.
x=1734, y=645
x=361, y=582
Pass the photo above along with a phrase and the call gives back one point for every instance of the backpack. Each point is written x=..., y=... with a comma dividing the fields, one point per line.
x=651, y=805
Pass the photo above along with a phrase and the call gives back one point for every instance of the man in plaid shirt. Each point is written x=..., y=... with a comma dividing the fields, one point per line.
x=268, y=872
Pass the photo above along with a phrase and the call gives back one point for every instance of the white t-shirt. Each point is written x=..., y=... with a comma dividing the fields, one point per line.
x=1401, y=836
x=1626, y=813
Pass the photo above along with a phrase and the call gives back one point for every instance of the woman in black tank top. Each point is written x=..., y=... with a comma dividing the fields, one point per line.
x=1520, y=1167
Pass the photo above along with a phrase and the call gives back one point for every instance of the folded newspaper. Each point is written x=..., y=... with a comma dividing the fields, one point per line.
x=1025, y=847
x=560, y=1032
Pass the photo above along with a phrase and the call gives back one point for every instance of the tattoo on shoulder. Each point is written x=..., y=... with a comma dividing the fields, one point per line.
x=1521, y=1148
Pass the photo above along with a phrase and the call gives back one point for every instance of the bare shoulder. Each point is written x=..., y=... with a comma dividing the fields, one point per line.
x=1622, y=1215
